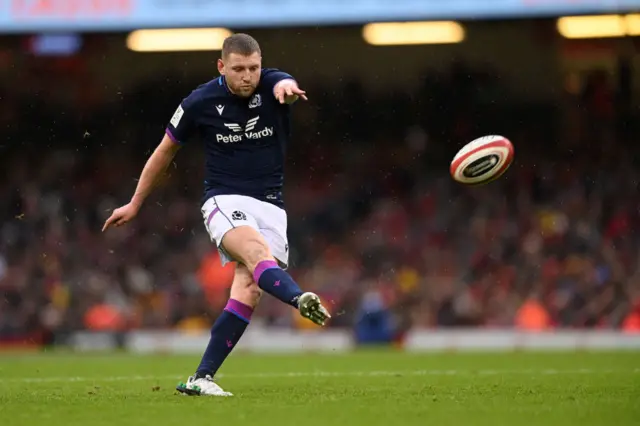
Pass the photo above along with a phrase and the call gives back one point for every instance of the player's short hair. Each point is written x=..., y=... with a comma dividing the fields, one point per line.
x=242, y=44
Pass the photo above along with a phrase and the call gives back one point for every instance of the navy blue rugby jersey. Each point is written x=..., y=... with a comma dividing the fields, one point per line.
x=245, y=138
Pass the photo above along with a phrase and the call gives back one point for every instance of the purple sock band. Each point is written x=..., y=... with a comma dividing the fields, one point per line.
x=239, y=309
x=263, y=266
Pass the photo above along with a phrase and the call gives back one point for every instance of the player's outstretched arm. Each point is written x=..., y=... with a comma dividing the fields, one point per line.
x=155, y=167
x=287, y=91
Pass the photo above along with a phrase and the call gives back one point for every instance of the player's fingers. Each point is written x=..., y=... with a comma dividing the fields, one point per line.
x=279, y=93
x=108, y=223
x=301, y=93
x=288, y=90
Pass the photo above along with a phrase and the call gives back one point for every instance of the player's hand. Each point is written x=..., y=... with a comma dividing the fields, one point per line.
x=287, y=91
x=121, y=216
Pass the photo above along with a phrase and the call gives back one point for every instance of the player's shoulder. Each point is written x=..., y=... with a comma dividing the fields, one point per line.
x=268, y=73
x=270, y=77
x=213, y=89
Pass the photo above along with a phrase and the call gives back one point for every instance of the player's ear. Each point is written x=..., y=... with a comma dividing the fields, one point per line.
x=220, y=67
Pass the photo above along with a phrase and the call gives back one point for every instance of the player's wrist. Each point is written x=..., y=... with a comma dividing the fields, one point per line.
x=136, y=201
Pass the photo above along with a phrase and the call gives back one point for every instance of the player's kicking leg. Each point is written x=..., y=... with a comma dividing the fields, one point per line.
x=250, y=248
x=225, y=334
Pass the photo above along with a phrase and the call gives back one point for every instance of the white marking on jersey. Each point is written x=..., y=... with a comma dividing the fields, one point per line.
x=220, y=108
x=233, y=126
x=251, y=124
x=177, y=116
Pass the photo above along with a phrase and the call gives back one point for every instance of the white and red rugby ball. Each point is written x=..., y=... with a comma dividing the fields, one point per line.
x=482, y=160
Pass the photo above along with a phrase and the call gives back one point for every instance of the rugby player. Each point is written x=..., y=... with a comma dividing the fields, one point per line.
x=243, y=119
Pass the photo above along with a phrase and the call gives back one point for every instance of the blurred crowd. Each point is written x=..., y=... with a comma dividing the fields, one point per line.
x=375, y=222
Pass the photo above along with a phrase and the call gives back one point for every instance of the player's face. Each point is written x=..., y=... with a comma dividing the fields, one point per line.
x=242, y=73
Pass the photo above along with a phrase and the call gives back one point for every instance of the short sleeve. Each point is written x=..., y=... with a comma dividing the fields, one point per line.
x=271, y=76
x=183, y=123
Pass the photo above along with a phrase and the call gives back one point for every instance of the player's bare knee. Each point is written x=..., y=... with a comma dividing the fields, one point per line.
x=257, y=251
x=253, y=250
x=247, y=246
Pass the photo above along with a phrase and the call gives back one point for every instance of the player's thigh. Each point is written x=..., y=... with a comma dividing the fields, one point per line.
x=232, y=226
x=244, y=289
x=273, y=227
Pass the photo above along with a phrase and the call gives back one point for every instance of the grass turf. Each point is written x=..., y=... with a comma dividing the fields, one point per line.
x=361, y=388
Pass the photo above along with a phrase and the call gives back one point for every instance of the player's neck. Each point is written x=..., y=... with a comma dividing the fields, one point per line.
x=226, y=85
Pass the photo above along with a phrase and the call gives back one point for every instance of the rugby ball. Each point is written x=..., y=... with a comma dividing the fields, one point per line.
x=482, y=160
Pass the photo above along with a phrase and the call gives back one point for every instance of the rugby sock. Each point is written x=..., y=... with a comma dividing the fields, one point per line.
x=225, y=333
x=272, y=279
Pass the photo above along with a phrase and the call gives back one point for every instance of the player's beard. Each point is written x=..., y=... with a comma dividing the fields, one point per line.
x=244, y=91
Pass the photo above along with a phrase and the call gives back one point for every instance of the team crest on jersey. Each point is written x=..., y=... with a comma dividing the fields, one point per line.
x=256, y=101
x=238, y=215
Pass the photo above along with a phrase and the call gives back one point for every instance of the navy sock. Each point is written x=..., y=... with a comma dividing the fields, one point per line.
x=272, y=279
x=225, y=333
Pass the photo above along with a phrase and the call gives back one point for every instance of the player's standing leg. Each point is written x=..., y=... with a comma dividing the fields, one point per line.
x=250, y=248
x=225, y=334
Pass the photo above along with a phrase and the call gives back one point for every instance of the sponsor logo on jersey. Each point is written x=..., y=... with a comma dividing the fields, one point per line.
x=248, y=132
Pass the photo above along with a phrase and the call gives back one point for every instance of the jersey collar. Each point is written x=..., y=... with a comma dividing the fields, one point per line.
x=223, y=82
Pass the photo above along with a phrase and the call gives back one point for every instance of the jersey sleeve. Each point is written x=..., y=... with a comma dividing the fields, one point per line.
x=183, y=123
x=272, y=76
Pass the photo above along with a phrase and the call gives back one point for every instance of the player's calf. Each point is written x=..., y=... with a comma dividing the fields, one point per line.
x=225, y=334
x=249, y=247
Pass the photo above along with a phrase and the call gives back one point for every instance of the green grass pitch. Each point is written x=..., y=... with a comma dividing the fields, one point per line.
x=360, y=388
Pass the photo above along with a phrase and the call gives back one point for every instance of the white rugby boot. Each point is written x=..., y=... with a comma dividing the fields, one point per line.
x=204, y=386
x=310, y=307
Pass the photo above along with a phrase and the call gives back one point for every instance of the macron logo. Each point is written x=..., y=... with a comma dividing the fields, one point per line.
x=246, y=133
